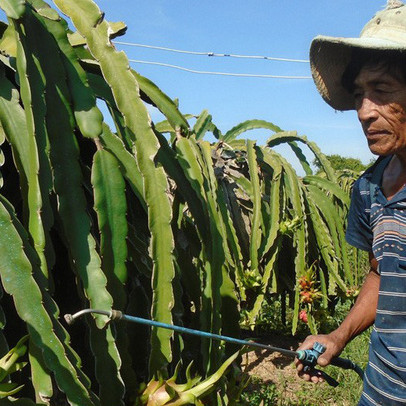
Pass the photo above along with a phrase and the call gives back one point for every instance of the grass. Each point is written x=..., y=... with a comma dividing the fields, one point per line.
x=289, y=390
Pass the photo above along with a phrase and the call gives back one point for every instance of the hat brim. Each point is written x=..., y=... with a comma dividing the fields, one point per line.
x=330, y=56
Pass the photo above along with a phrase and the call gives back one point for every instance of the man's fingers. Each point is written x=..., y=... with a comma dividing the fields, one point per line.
x=322, y=361
x=305, y=377
x=315, y=377
x=308, y=343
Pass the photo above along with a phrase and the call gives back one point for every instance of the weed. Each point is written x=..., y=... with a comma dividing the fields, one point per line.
x=259, y=393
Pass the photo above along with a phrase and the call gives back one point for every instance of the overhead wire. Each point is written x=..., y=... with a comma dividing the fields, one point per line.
x=251, y=75
x=213, y=54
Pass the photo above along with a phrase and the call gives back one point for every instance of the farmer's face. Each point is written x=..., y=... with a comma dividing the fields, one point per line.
x=380, y=101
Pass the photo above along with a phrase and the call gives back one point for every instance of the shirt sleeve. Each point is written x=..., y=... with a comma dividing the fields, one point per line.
x=359, y=233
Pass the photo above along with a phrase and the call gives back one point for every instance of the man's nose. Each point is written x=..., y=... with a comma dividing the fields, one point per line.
x=367, y=109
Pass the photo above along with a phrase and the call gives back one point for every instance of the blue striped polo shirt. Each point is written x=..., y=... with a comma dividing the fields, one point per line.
x=378, y=225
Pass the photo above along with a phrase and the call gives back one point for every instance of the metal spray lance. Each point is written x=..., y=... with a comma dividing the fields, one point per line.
x=307, y=357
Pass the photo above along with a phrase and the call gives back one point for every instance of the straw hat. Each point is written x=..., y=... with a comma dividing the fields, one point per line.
x=329, y=56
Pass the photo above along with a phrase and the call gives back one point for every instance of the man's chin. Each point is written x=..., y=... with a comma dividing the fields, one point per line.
x=379, y=150
x=380, y=153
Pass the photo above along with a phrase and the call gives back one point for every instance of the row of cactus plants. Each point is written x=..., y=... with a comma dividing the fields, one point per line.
x=147, y=218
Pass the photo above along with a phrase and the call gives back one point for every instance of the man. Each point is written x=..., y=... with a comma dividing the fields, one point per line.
x=368, y=74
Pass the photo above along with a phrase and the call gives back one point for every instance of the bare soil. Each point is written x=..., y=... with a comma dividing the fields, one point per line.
x=273, y=367
x=265, y=364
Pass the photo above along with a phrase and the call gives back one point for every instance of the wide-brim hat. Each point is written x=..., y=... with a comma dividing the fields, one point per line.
x=329, y=56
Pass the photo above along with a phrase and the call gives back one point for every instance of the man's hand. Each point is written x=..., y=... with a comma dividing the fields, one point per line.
x=334, y=345
x=361, y=316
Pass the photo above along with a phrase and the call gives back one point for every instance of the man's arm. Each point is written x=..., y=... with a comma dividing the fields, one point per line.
x=361, y=316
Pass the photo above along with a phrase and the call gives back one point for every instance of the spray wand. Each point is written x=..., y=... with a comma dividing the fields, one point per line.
x=307, y=357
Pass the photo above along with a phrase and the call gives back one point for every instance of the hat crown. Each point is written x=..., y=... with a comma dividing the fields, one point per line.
x=388, y=24
x=394, y=4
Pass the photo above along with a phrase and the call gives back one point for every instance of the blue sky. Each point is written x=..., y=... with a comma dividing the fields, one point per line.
x=255, y=27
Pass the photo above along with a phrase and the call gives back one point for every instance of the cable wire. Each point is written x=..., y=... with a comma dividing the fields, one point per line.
x=271, y=58
x=250, y=75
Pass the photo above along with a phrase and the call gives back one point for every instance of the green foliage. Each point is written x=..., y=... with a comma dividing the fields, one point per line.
x=340, y=163
x=68, y=221
x=285, y=225
x=276, y=317
x=9, y=365
x=146, y=218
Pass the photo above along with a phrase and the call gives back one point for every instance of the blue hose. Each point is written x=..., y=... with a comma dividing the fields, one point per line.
x=308, y=357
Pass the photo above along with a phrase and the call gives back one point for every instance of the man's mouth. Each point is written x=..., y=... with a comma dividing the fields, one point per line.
x=376, y=133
